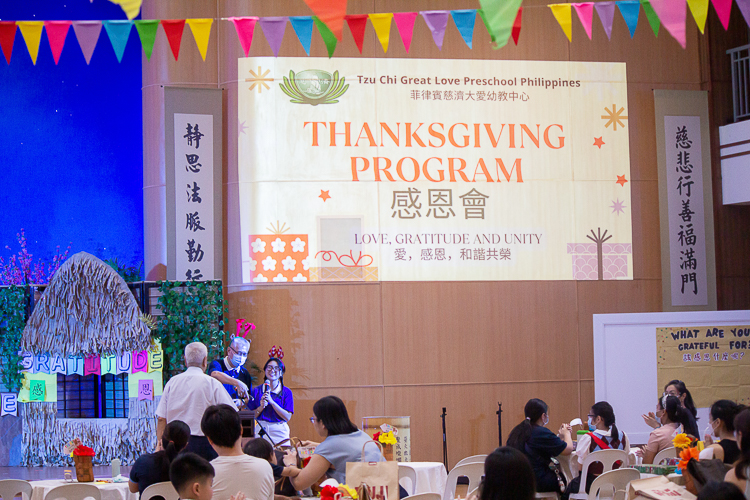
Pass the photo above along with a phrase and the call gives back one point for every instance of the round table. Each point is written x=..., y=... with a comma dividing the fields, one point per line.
x=431, y=476
x=110, y=491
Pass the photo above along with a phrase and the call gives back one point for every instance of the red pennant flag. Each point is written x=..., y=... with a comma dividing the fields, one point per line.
x=56, y=33
x=7, y=37
x=516, y=30
x=173, y=29
x=331, y=12
x=357, y=25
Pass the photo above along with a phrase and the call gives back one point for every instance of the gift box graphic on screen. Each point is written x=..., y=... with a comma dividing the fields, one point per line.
x=279, y=257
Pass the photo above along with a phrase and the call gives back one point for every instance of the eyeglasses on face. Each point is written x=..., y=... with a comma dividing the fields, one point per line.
x=272, y=368
x=313, y=420
x=241, y=353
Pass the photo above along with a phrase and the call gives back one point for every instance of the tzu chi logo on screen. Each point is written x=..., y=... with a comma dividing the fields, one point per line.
x=314, y=86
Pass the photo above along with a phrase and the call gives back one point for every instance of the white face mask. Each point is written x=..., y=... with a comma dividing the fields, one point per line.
x=545, y=421
x=711, y=432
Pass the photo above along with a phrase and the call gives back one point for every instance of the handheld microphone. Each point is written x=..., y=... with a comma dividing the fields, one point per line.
x=266, y=386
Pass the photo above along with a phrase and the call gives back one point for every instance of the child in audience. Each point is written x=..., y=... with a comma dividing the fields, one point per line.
x=192, y=477
x=152, y=468
x=672, y=415
x=259, y=447
x=507, y=476
x=677, y=388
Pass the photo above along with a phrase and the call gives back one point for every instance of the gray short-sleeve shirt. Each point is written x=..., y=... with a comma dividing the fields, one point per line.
x=344, y=448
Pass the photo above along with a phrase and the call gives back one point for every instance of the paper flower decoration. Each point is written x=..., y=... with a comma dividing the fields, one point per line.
x=305, y=461
x=387, y=438
x=347, y=491
x=686, y=455
x=83, y=451
x=328, y=491
x=682, y=440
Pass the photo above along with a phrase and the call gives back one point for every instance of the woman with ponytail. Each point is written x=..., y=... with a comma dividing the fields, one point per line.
x=153, y=468
x=603, y=435
x=673, y=418
x=739, y=474
x=721, y=442
x=678, y=389
x=539, y=444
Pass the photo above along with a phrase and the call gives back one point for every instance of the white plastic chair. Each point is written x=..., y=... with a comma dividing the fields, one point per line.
x=9, y=488
x=405, y=472
x=425, y=496
x=472, y=460
x=665, y=453
x=547, y=494
x=607, y=459
x=473, y=471
x=164, y=490
x=74, y=491
x=615, y=480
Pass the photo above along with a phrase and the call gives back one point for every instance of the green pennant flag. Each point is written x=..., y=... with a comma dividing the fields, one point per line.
x=499, y=16
x=484, y=20
x=328, y=37
x=147, y=33
x=653, y=18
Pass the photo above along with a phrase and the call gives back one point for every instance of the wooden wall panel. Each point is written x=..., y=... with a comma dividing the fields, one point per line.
x=644, y=201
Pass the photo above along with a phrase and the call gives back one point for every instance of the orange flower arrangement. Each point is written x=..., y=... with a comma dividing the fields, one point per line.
x=685, y=456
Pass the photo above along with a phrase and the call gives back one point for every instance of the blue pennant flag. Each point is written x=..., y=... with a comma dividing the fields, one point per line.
x=630, y=10
x=464, y=20
x=118, y=32
x=303, y=27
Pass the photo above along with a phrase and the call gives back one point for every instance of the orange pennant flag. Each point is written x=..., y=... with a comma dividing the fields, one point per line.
x=331, y=13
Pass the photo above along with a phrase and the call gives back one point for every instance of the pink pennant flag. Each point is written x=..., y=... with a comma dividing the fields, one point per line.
x=87, y=33
x=606, y=11
x=245, y=27
x=437, y=21
x=405, y=25
x=273, y=28
x=57, y=31
x=723, y=10
x=672, y=14
x=585, y=13
x=744, y=6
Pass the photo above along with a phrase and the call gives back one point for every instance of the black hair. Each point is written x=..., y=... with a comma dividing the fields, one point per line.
x=281, y=365
x=522, y=432
x=720, y=491
x=605, y=410
x=221, y=424
x=187, y=469
x=675, y=411
x=507, y=476
x=725, y=410
x=331, y=412
x=742, y=424
x=258, y=447
x=173, y=440
x=680, y=386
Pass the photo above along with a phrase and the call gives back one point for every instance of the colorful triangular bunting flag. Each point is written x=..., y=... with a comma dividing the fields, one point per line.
x=585, y=13
x=487, y=26
x=57, y=31
x=699, y=9
x=303, y=26
x=245, y=27
x=561, y=11
x=32, y=34
x=173, y=28
x=464, y=20
x=7, y=37
x=673, y=14
x=405, y=25
x=87, y=33
x=382, y=25
x=723, y=10
x=516, y=31
x=606, y=11
x=357, y=25
x=201, y=29
x=744, y=6
x=630, y=10
x=331, y=13
x=437, y=21
x=499, y=17
x=651, y=15
x=328, y=37
x=273, y=29
x=147, y=33
x=118, y=33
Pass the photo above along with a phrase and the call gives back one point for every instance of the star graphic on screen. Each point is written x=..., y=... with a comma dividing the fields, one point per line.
x=621, y=180
x=618, y=206
x=598, y=142
x=241, y=128
x=324, y=195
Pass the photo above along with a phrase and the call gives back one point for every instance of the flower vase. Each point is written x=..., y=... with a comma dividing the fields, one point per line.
x=84, y=468
x=387, y=451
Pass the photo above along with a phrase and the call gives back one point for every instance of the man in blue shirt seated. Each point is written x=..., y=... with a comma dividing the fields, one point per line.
x=231, y=372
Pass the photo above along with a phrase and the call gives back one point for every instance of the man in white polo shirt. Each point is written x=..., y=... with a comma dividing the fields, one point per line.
x=187, y=395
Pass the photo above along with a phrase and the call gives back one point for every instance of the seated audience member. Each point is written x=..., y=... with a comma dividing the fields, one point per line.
x=153, y=468
x=507, y=476
x=720, y=491
x=672, y=416
x=721, y=443
x=342, y=443
x=677, y=388
x=539, y=444
x=603, y=435
x=739, y=474
x=192, y=477
x=259, y=447
x=235, y=471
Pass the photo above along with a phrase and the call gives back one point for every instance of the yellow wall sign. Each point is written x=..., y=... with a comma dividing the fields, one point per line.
x=714, y=362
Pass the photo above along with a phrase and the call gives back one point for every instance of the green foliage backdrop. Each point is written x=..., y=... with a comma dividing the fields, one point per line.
x=12, y=321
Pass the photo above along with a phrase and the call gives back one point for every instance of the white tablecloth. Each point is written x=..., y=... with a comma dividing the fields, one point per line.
x=110, y=491
x=431, y=477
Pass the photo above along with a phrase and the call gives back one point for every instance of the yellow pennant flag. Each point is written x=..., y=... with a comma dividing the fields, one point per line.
x=561, y=12
x=699, y=9
x=382, y=25
x=32, y=34
x=130, y=7
x=201, y=29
